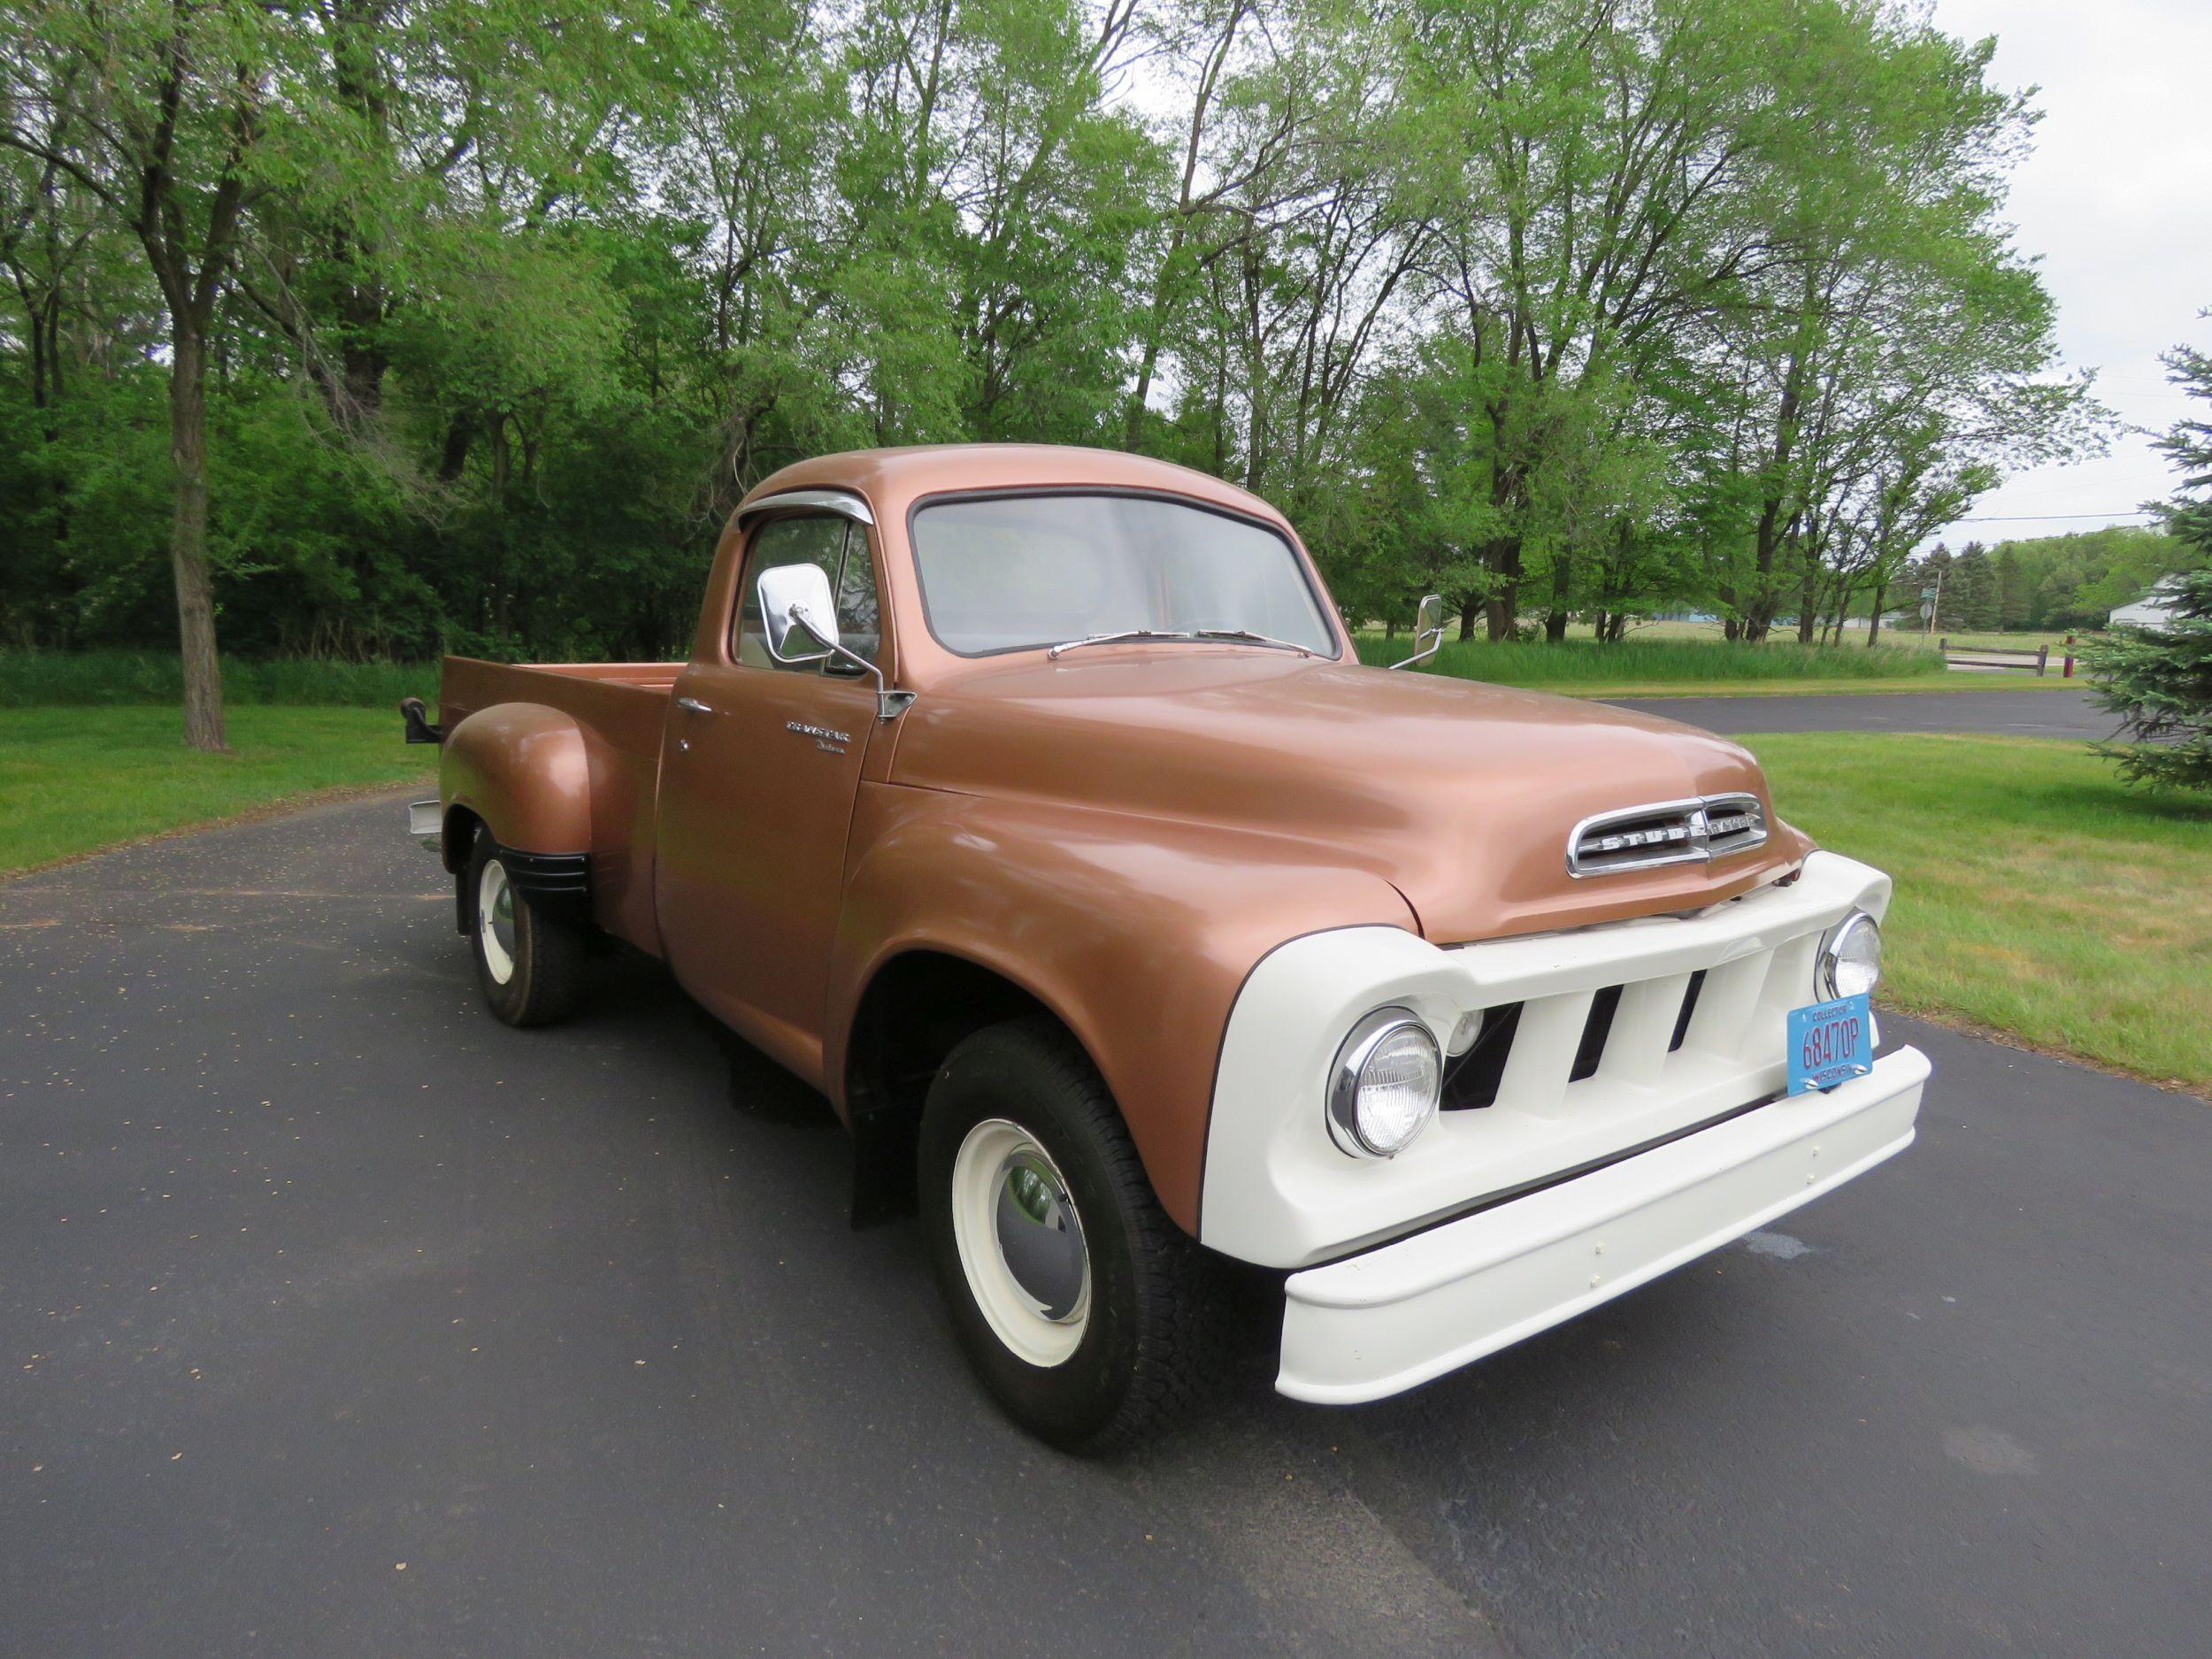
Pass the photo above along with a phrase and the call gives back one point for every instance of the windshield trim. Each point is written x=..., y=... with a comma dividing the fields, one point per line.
x=1038, y=492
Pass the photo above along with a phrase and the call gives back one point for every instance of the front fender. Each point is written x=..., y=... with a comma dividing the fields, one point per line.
x=1136, y=931
x=523, y=768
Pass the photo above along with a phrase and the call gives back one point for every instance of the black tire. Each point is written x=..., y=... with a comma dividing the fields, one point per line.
x=1150, y=1339
x=543, y=952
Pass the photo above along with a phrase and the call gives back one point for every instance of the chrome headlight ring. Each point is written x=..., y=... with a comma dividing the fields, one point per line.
x=1385, y=1085
x=1853, y=950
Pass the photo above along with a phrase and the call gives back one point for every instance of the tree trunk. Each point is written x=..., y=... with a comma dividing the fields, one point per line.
x=188, y=539
x=1503, y=556
x=1874, y=622
x=1562, y=590
x=457, y=437
x=1759, y=614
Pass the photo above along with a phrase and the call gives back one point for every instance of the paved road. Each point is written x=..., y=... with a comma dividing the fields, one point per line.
x=2007, y=713
x=338, y=1319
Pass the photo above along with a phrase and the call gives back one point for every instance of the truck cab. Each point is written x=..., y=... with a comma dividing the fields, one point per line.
x=1034, y=804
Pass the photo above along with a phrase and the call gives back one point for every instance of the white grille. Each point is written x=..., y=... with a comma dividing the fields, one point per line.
x=1716, y=1025
x=1591, y=1037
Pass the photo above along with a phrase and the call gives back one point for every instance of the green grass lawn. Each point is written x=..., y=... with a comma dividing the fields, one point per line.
x=72, y=780
x=1854, y=639
x=1810, y=687
x=1584, y=664
x=1693, y=664
x=2035, y=895
x=1691, y=659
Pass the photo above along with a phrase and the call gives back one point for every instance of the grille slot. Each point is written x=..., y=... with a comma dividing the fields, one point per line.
x=1595, y=1030
x=1473, y=1077
x=1689, y=1007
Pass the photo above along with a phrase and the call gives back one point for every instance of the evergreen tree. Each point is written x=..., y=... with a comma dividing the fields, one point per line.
x=1970, y=597
x=2159, y=680
x=2012, y=590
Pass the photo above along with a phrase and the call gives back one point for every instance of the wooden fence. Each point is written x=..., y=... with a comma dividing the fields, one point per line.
x=2038, y=659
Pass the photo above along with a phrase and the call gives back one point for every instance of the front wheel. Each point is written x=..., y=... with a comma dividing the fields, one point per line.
x=1087, y=1312
x=529, y=964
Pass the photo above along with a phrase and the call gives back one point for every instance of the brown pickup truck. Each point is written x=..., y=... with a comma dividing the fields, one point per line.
x=1033, y=804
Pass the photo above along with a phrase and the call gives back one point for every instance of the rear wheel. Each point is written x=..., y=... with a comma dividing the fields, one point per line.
x=529, y=962
x=1086, y=1311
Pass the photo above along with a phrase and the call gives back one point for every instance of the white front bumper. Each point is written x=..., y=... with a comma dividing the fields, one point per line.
x=1391, y=1317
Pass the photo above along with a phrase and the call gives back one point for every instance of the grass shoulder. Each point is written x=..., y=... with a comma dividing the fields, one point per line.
x=2036, y=895
x=1581, y=664
x=1814, y=688
x=80, y=779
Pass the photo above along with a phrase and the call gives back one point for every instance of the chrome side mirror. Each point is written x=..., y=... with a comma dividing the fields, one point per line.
x=796, y=607
x=1428, y=631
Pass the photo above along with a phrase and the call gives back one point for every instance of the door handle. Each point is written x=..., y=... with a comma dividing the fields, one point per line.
x=692, y=705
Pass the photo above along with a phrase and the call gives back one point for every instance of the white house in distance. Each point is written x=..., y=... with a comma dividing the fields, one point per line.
x=2153, y=610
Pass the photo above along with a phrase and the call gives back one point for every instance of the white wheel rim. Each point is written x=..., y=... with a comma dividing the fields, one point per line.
x=495, y=921
x=1009, y=1199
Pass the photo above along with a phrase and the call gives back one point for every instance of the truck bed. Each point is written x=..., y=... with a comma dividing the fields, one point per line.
x=621, y=708
x=624, y=702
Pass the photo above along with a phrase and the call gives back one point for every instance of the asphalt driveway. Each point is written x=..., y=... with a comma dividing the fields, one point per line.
x=339, y=1319
x=2001, y=713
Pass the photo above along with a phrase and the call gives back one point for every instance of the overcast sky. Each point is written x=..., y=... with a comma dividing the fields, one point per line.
x=2118, y=203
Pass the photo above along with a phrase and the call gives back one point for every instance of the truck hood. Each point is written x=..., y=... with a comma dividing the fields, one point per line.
x=1461, y=795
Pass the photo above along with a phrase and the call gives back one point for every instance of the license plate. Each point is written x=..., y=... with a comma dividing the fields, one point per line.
x=1831, y=1043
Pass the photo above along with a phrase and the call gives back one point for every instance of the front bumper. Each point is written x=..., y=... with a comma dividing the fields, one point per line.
x=1383, y=1321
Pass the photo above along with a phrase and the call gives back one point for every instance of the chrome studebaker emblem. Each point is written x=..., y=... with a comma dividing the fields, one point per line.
x=1666, y=833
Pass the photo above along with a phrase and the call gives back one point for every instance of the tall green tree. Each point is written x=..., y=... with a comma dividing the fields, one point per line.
x=1569, y=308
x=2159, y=679
x=164, y=115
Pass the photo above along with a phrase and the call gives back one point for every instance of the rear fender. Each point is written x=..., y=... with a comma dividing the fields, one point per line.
x=523, y=769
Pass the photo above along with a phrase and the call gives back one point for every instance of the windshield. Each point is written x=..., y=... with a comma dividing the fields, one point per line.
x=1012, y=573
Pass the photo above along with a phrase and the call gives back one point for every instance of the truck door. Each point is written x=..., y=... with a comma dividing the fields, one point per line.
x=760, y=764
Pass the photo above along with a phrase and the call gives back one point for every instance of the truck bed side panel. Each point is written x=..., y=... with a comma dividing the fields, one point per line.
x=621, y=708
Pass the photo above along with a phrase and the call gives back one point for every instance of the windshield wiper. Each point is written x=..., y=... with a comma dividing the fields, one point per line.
x=1118, y=634
x=1237, y=636
x=1246, y=636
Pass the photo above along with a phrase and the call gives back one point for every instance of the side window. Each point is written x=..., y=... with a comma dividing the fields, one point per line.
x=812, y=541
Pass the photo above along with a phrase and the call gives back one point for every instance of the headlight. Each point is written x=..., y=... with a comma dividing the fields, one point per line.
x=1851, y=960
x=1383, y=1087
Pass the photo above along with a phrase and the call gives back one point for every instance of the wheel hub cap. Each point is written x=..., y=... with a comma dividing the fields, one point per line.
x=1039, y=1237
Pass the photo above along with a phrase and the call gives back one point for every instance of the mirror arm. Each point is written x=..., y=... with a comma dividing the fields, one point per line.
x=1434, y=636
x=1421, y=653
x=889, y=705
